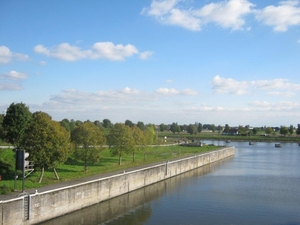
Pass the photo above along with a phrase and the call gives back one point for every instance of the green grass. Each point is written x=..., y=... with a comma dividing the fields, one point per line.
x=73, y=169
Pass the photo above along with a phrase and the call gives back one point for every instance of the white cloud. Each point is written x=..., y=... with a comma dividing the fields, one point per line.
x=10, y=87
x=229, y=86
x=160, y=8
x=14, y=75
x=275, y=84
x=277, y=87
x=227, y=14
x=277, y=106
x=108, y=50
x=6, y=55
x=173, y=91
x=145, y=55
x=281, y=17
x=104, y=50
x=183, y=18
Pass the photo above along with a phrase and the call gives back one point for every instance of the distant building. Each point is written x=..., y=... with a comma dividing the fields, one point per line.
x=232, y=132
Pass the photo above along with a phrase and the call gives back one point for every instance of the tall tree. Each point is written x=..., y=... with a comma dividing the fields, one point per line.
x=291, y=129
x=192, y=129
x=227, y=128
x=175, y=128
x=269, y=130
x=107, y=123
x=139, y=141
x=150, y=134
x=47, y=142
x=200, y=127
x=15, y=122
x=162, y=127
x=213, y=128
x=120, y=140
x=284, y=130
x=140, y=125
x=129, y=123
x=89, y=141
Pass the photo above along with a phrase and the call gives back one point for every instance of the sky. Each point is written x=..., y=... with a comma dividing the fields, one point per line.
x=233, y=62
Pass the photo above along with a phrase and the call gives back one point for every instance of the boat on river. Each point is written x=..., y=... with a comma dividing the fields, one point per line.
x=278, y=145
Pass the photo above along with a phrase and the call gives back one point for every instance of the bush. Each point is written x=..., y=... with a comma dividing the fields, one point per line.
x=4, y=189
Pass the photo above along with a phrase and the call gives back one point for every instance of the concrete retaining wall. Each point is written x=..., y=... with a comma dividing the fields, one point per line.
x=36, y=208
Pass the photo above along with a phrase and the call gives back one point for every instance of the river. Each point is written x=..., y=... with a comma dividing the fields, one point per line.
x=259, y=185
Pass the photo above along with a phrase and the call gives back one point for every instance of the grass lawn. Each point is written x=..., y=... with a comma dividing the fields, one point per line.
x=73, y=169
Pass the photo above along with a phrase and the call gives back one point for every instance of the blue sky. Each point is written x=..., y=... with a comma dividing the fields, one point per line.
x=233, y=62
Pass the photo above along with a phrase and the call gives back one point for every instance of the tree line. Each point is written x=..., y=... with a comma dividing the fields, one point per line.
x=50, y=143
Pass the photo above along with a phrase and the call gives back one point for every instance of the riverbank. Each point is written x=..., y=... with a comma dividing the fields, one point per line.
x=41, y=206
x=216, y=136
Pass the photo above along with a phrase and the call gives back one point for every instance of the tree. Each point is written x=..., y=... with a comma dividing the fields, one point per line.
x=175, y=128
x=200, y=127
x=298, y=129
x=139, y=141
x=219, y=128
x=89, y=141
x=255, y=130
x=15, y=122
x=213, y=128
x=66, y=124
x=107, y=123
x=150, y=134
x=140, y=125
x=291, y=129
x=227, y=128
x=191, y=129
x=129, y=123
x=269, y=130
x=162, y=127
x=120, y=140
x=47, y=142
x=284, y=130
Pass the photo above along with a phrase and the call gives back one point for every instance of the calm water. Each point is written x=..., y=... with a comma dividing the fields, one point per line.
x=260, y=185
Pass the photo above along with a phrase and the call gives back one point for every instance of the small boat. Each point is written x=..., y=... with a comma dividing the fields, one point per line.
x=228, y=141
x=278, y=145
x=251, y=143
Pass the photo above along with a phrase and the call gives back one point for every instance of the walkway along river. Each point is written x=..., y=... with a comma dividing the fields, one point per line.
x=259, y=185
x=42, y=206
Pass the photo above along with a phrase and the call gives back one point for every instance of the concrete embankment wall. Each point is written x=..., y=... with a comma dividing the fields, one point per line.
x=36, y=208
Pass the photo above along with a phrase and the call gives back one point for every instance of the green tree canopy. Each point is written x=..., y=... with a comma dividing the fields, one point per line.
x=47, y=142
x=269, y=130
x=140, y=125
x=89, y=141
x=192, y=129
x=162, y=127
x=175, y=128
x=107, y=123
x=200, y=127
x=139, y=141
x=15, y=122
x=284, y=130
x=120, y=140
